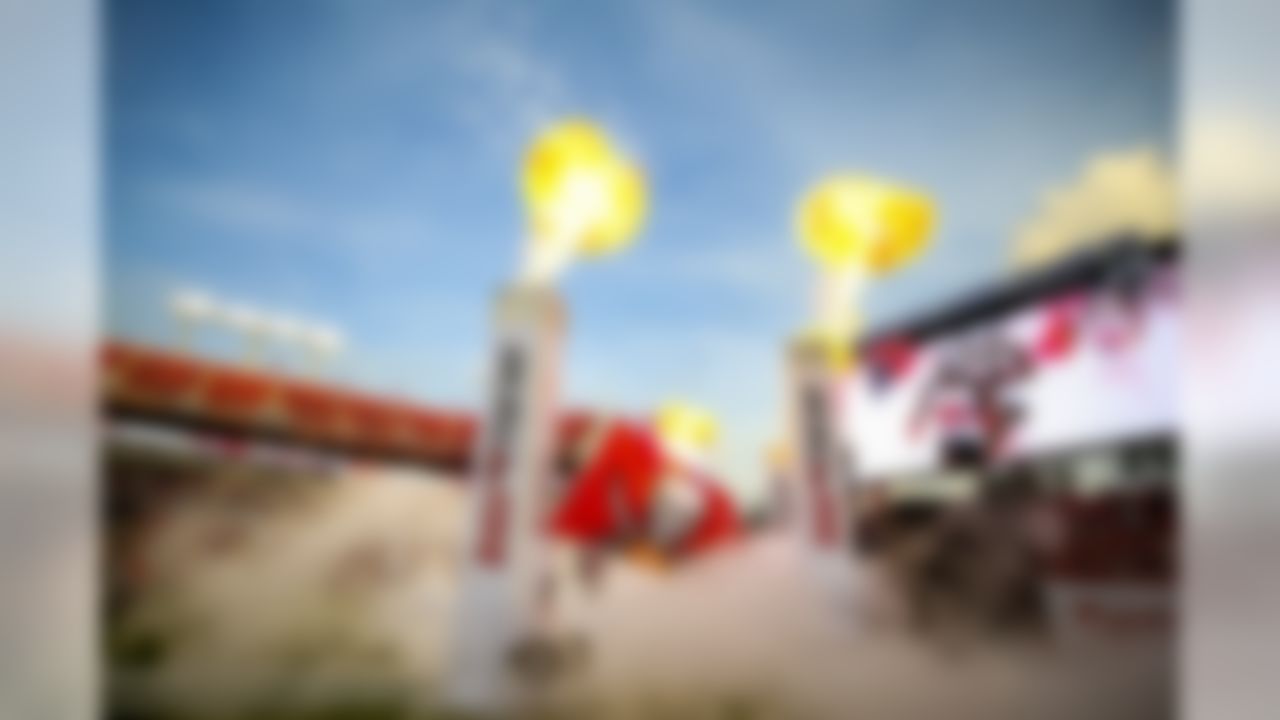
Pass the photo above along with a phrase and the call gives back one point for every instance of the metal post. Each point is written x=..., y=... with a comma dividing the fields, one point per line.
x=504, y=609
x=820, y=477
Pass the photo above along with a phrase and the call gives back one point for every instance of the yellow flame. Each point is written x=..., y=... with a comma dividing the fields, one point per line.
x=581, y=191
x=848, y=222
x=687, y=425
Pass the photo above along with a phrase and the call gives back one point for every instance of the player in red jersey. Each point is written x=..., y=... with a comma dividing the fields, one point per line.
x=646, y=492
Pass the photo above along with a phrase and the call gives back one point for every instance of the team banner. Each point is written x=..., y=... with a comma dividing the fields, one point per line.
x=1077, y=368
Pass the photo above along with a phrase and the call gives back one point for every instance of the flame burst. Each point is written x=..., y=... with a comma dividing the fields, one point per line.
x=583, y=195
x=857, y=228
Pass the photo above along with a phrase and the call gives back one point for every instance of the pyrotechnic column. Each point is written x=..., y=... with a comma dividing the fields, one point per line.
x=821, y=472
x=584, y=198
x=505, y=587
x=854, y=229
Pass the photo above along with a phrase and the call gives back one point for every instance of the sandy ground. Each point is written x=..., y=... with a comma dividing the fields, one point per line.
x=753, y=626
x=350, y=592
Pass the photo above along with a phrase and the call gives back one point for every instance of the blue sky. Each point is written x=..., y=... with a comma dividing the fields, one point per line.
x=356, y=161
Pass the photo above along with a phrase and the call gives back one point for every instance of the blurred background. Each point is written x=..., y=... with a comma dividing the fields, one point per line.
x=305, y=213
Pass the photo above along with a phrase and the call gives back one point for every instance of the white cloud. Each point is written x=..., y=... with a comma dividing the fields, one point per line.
x=237, y=206
x=750, y=269
x=254, y=211
x=1128, y=192
x=509, y=87
x=773, y=91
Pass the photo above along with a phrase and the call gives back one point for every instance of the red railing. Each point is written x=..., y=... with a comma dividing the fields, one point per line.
x=171, y=387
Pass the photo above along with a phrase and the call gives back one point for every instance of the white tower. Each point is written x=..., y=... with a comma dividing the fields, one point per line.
x=506, y=593
x=819, y=479
x=584, y=198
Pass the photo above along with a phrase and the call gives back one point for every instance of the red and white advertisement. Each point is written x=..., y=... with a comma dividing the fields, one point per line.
x=1077, y=368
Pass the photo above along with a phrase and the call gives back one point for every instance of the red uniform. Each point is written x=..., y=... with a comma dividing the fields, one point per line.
x=616, y=497
x=718, y=521
x=612, y=493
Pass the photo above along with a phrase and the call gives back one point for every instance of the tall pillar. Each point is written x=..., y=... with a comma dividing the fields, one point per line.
x=819, y=477
x=505, y=594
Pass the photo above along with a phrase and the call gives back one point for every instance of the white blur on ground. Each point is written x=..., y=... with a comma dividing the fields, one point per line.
x=342, y=596
x=750, y=627
x=341, y=593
